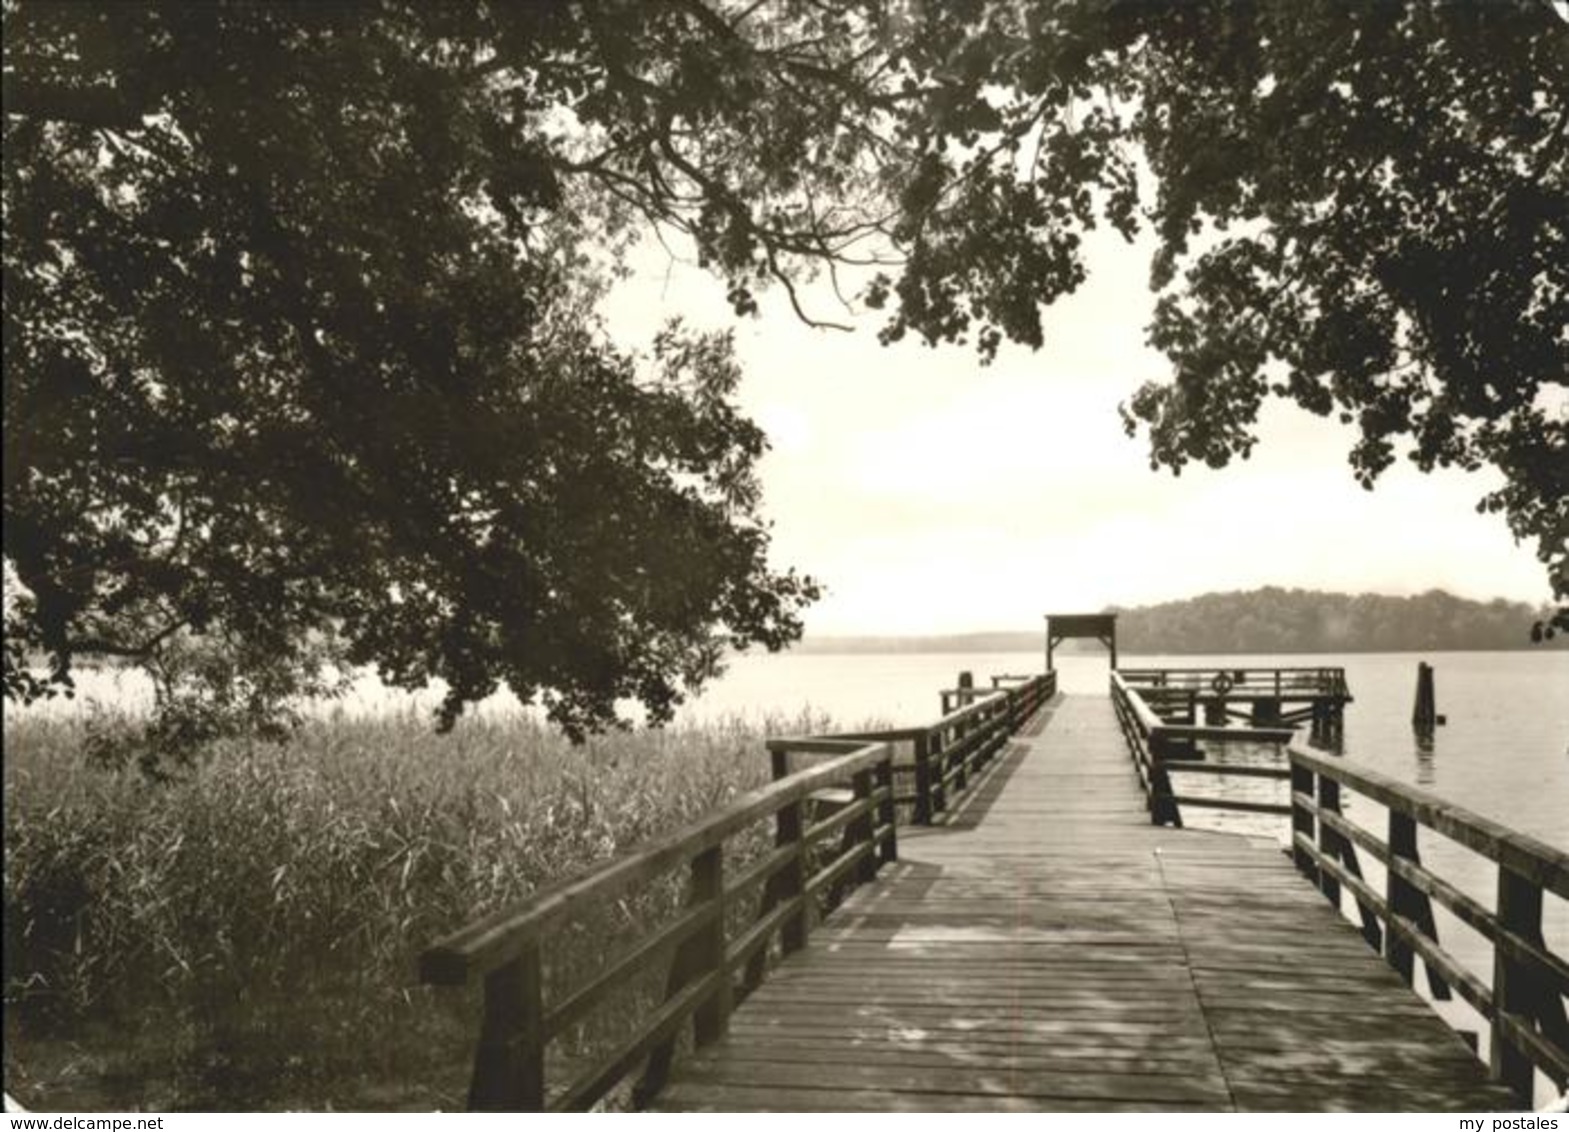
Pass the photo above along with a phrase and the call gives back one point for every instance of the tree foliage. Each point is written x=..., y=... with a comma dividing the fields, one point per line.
x=1363, y=209
x=297, y=296
x=298, y=341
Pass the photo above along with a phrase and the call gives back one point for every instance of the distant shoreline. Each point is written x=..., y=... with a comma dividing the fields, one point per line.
x=1269, y=621
x=1024, y=642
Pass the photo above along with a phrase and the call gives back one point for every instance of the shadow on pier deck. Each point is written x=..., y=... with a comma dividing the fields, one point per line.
x=1049, y=949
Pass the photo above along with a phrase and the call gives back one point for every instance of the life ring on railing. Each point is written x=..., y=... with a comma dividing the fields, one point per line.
x=1221, y=683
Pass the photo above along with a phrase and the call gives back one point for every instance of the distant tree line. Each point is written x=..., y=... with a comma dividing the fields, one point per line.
x=1265, y=620
x=1273, y=619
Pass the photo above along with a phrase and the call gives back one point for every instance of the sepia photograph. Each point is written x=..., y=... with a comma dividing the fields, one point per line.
x=876, y=556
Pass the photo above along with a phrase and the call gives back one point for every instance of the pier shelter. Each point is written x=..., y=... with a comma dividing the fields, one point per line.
x=1100, y=627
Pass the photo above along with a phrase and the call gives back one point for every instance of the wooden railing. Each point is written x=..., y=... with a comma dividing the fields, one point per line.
x=947, y=755
x=506, y=949
x=1262, y=696
x=834, y=825
x=1524, y=1002
x=1244, y=681
x=1161, y=748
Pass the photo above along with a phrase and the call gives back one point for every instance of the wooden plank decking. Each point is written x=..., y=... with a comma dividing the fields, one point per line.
x=1051, y=950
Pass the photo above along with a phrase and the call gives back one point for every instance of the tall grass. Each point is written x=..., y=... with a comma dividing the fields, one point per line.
x=245, y=936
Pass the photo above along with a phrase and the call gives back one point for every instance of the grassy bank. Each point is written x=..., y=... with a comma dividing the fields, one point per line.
x=245, y=936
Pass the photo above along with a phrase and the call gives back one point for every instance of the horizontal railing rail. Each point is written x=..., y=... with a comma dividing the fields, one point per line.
x=958, y=746
x=1161, y=748
x=1244, y=685
x=1263, y=696
x=505, y=949
x=948, y=754
x=1524, y=1002
x=834, y=824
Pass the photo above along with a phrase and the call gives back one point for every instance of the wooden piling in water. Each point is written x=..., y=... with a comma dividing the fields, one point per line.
x=1424, y=712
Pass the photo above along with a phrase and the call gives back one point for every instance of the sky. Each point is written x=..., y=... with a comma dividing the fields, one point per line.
x=931, y=494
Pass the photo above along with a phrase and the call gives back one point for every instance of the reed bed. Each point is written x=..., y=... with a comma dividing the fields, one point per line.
x=244, y=936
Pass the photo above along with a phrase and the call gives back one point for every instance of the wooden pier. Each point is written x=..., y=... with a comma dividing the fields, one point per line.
x=1260, y=696
x=1035, y=942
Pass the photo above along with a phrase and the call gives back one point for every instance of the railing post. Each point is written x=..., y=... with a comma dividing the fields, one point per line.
x=1302, y=819
x=1514, y=991
x=699, y=956
x=865, y=825
x=1411, y=903
x=1328, y=842
x=937, y=748
x=1399, y=894
x=1163, y=806
x=985, y=731
x=785, y=885
x=1335, y=846
x=509, y=1066
x=923, y=779
x=886, y=809
x=708, y=887
x=980, y=742
x=961, y=780
x=792, y=878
